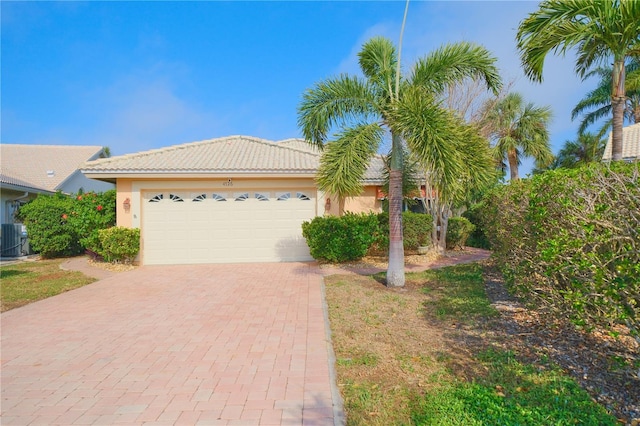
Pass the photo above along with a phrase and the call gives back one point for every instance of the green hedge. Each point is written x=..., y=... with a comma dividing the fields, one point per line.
x=48, y=228
x=458, y=231
x=119, y=244
x=416, y=232
x=352, y=236
x=60, y=225
x=340, y=239
x=570, y=239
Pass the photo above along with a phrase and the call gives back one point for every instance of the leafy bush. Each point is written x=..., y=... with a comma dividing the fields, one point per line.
x=416, y=231
x=92, y=212
x=570, y=239
x=58, y=225
x=340, y=239
x=119, y=244
x=458, y=231
x=478, y=237
x=48, y=228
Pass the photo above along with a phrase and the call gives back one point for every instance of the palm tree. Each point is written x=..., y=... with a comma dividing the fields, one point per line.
x=599, y=30
x=586, y=148
x=519, y=130
x=364, y=110
x=598, y=101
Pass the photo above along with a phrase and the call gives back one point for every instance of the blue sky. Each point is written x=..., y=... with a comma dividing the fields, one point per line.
x=140, y=75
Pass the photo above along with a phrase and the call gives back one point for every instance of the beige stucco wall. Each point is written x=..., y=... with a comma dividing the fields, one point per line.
x=124, y=217
x=132, y=189
x=364, y=203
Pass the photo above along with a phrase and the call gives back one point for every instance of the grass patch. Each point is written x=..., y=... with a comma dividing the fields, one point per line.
x=397, y=362
x=26, y=282
x=456, y=292
x=512, y=393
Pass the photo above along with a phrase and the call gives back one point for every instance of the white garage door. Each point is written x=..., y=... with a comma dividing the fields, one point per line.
x=218, y=227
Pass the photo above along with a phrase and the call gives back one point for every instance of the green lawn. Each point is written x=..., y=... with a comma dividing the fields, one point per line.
x=26, y=282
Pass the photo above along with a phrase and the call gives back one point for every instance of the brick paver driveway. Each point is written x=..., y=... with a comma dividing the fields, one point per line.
x=201, y=344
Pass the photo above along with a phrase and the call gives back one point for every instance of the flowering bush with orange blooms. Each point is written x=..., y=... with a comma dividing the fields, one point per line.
x=59, y=225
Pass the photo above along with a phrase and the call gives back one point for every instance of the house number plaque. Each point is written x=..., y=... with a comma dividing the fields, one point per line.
x=228, y=182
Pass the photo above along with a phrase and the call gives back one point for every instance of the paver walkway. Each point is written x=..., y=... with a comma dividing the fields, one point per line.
x=196, y=345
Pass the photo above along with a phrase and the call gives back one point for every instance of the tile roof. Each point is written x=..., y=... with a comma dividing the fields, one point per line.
x=43, y=167
x=231, y=154
x=300, y=144
x=15, y=181
x=630, y=143
x=240, y=154
x=372, y=175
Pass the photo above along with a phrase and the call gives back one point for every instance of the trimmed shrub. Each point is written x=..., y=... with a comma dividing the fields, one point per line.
x=416, y=231
x=458, y=231
x=119, y=244
x=58, y=225
x=569, y=239
x=340, y=239
x=478, y=237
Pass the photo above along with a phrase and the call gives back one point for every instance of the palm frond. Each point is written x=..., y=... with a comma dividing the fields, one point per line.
x=598, y=29
x=378, y=60
x=453, y=63
x=521, y=129
x=345, y=160
x=335, y=102
x=431, y=133
x=600, y=96
x=595, y=116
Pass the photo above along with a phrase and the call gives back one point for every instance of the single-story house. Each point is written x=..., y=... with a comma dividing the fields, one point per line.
x=630, y=144
x=231, y=199
x=29, y=170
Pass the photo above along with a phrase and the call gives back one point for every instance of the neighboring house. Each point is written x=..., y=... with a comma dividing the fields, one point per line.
x=232, y=199
x=630, y=144
x=29, y=170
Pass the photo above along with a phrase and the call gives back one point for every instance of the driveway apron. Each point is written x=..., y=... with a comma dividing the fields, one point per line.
x=242, y=344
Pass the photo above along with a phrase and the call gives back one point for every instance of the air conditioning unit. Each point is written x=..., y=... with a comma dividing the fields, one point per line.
x=14, y=240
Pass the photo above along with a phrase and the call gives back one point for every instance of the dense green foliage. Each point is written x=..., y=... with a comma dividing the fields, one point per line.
x=58, y=225
x=458, y=231
x=570, y=239
x=477, y=238
x=340, y=239
x=350, y=237
x=119, y=244
x=90, y=213
x=49, y=232
x=416, y=231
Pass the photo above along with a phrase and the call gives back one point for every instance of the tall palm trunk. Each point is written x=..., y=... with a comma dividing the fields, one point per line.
x=618, y=100
x=395, y=271
x=512, y=157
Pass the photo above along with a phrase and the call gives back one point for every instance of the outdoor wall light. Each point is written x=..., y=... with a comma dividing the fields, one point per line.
x=327, y=204
x=126, y=204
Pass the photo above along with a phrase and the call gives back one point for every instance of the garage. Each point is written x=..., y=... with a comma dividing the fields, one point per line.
x=214, y=226
x=236, y=199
